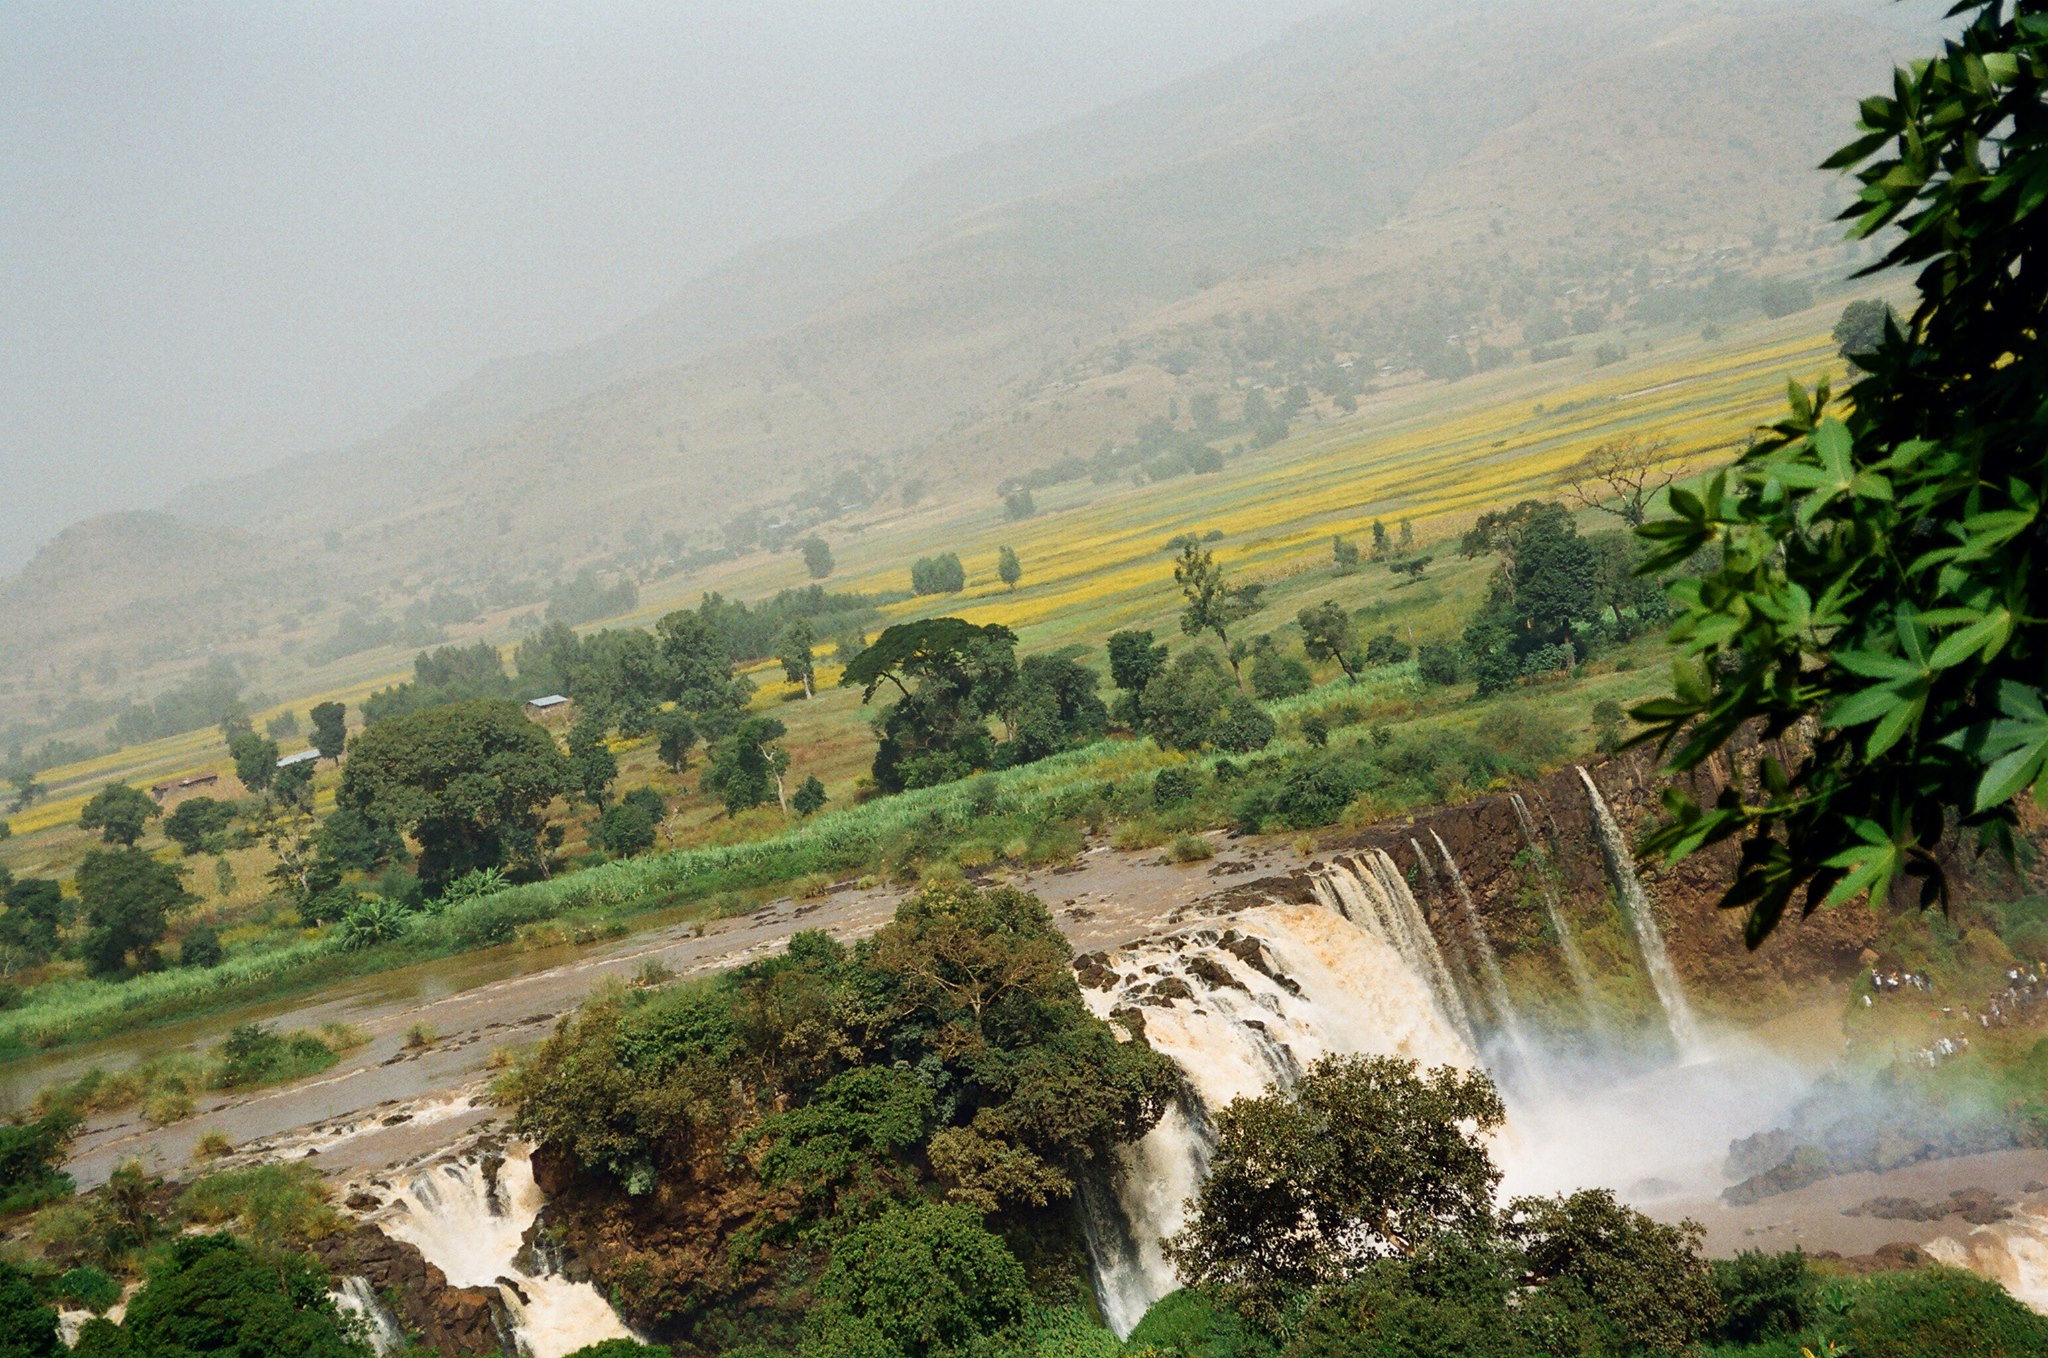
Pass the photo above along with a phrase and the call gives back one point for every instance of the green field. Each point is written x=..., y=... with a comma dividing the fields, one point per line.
x=1094, y=561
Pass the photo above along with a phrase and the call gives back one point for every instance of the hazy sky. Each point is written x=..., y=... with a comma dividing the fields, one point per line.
x=232, y=232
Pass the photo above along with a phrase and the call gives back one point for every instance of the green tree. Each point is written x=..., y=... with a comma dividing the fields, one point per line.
x=1279, y=676
x=809, y=798
x=1183, y=702
x=1379, y=539
x=547, y=658
x=674, y=734
x=951, y=676
x=1367, y=1157
x=1326, y=635
x=1134, y=660
x=747, y=766
x=1009, y=569
x=941, y=574
x=625, y=829
x=793, y=650
x=620, y=677
x=591, y=761
x=921, y=1282
x=255, y=760
x=197, y=824
x=1343, y=554
x=1407, y=536
x=119, y=812
x=817, y=557
x=470, y=782
x=1881, y=565
x=200, y=947
x=37, y=913
x=213, y=1294
x=330, y=728
x=700, y=662
x=126, y=895
x=1051, y=707
x=1413, y=567
x=1212, y=603
x=28, y=1327
x=1646, y=1278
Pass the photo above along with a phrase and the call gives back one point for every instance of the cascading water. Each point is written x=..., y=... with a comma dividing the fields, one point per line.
x=1240, y=1009
x=2013, y=1253
x=358, y=1299
x=1621, y=871
x=1422, y=859
x=1553, y=908
x=1489, y=963
x=1377, y=899
x=469, y=1218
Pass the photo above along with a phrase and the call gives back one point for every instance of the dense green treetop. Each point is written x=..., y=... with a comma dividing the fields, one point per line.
x=1881, y=562
x=119, y=812
x=469, y=782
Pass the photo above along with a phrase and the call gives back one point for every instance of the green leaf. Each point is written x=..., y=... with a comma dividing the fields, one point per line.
x=1987, y=635
x=1862, y=706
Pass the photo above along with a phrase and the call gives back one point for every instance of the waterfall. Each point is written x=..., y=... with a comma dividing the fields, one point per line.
x=2012, y=1253
x=1489, y=963
x=469, y=1218
x=1621, y=871
x=359, y=1300
x=1553, y=908
x=1240, y=1008
x=1378, y=900
x=1428, y=870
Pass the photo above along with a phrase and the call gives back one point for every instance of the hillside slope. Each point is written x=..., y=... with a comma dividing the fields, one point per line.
x=1380, y=174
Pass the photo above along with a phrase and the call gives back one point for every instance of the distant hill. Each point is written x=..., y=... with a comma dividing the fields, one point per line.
x=1375, y=185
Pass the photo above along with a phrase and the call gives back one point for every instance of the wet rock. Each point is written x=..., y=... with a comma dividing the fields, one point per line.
x=1172, y=988
x=451, y=1321
x=1092, y=970
x=1214, y=974
x=1131, y=1019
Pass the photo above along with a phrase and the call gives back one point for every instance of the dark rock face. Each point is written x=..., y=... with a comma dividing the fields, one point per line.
x=452, y=1321
x=1486, y=838
x=1979, y=1206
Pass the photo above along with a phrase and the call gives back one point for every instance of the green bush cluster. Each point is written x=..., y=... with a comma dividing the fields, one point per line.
x=889, y=1111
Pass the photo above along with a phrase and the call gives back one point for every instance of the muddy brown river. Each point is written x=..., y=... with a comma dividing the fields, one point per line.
x=476, y=1003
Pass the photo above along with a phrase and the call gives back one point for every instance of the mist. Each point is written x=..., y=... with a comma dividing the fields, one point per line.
x=232, y=233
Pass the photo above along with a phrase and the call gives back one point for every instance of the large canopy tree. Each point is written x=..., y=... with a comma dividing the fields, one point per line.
x=1881, y=566
x=470, y=782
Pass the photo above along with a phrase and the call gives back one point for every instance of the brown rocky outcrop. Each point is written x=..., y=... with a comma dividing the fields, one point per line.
x=1486, y=838
x=457, y=1322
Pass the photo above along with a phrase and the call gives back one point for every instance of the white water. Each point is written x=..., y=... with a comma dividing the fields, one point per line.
x=2014, y=1253
x=1352, y=992
x=1489, y=964
x=472, y=1227
x=1567, y=941
x=1373, y=895
x=356, y=1298
x=1621, y=871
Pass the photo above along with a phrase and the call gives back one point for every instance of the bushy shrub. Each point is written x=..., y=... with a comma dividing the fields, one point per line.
x=1315, y=731
x=1192, y=1324
x=1280, y=676
x=1937, y=1310
x=923, y=1282
x=1242, y=726
x=1763, y=1295
x=85, y=1287
x=1175, y=785
x=1438, y=663
x=201, y=947
x=1189, y=849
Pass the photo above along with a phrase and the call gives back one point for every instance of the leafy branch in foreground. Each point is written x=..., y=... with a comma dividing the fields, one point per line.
x=1880, y=580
